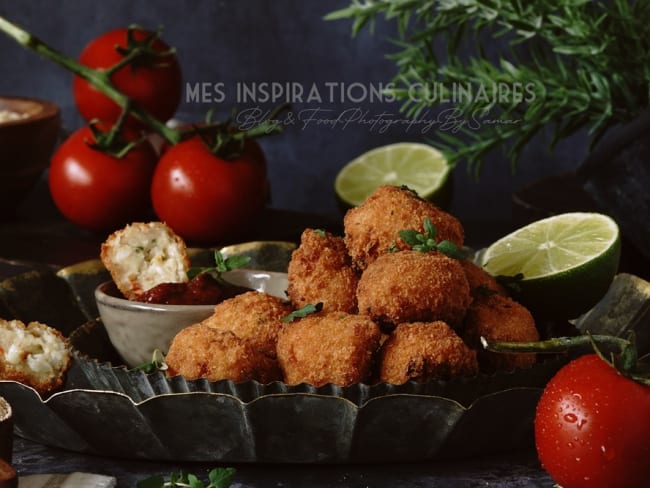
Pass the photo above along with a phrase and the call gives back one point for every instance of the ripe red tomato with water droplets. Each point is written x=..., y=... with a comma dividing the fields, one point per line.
x=98, y=191
x=592, y=427
x=205, y=198
x=155, y=84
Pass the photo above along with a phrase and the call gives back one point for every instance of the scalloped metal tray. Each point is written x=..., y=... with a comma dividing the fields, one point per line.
x=109, y=410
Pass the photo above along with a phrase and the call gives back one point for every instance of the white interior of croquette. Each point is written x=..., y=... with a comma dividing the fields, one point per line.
x=40, y=350
x=151, y=257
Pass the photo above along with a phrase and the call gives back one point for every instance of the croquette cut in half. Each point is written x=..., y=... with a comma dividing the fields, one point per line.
x=411, y=286
x=33, y=354
x=425, y=351
x=499, y=318
x=333, y=347
x=253, y=316
x=200, y=351
x=372, y=228
x=320, y=271
x=143, y=255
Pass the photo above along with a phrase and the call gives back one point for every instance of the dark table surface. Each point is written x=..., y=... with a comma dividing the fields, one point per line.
x=35, y=236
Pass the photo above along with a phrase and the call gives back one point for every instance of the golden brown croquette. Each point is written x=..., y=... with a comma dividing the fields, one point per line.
x=372, y=228
x=499, y=318
x=320, y=270
x=200, y=351
x=333, y=347
x=480, y=281
x=410, y=286
x=253, y=316
x=425, y=351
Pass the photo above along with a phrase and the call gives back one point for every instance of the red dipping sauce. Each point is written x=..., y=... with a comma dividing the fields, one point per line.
x=203, y=289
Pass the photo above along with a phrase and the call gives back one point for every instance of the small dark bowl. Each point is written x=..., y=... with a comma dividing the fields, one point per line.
x=26, y=144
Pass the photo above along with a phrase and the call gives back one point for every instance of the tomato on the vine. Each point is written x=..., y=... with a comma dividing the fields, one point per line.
x=98, y=191
x=592, y=427
x=153, y=82
x=206, y=198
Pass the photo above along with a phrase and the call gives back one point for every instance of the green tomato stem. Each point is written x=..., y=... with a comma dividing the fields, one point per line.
x=555, y=344
x=98, y=78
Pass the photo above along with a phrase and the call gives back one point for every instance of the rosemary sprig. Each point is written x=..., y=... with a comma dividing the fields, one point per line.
x=583, y=62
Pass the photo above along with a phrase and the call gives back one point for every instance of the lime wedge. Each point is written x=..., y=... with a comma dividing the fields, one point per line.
x=421, y=167
x=568, y=262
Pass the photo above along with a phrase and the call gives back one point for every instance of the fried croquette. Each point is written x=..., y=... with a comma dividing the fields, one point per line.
x=372, y=228
x=499, y=318
x=143, y=255
x=333, y=347
x=425, y=351
x=253, y=316
x=411, y=286
x=480, y=281
x=320, y=270
x=200, y=351
x=34, y=354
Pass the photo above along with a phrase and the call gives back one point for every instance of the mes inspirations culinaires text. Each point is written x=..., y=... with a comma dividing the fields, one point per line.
x=338, y=105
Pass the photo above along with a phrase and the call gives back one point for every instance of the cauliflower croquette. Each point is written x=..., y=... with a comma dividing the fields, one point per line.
x=200, y=351
x=333, y=347
x=372, y=228
x=253, y=316
x=499, y=318
x=410, y=286
x=34, y=354
x=320, y=270
x=480, y=281
x=424, y=351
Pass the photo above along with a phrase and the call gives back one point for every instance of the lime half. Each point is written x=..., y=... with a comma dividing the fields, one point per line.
x=421, y=167
x=567, y=262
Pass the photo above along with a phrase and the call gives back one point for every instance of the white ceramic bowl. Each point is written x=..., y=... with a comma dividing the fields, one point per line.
x=137, y=329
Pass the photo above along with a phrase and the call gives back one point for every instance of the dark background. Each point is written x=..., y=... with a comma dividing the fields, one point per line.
x=235, y=42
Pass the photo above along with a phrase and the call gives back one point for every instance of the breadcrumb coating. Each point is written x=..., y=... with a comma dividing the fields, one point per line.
x=425, y=351
x=372, y=228
x=410, y=286
x=320, y=270
x=499, y=318
x=480, y=281
x=333, y=347
x=253, y=316
x=200, y=351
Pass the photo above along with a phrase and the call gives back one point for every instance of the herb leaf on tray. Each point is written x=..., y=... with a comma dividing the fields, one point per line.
x=217, y=478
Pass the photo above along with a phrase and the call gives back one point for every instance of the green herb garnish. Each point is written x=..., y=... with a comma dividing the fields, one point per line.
x=221, y=265
x=308, y=309
x=427, y=242
x=217, y=478
x=320, y=232
x=157, y=363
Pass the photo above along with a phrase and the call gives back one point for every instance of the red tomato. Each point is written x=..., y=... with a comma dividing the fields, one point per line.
x=205, y=198
x=97, y=191
x=592, y=427
x=156, y=86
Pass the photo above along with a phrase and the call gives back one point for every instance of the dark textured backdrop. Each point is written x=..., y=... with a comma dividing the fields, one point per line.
x=244, y=41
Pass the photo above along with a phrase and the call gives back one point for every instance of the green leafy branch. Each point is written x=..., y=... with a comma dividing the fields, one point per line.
x=585, y=65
